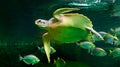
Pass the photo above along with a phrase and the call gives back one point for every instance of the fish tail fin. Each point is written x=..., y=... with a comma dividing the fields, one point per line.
x=20, y=57
x=39, y=48
x=110, y=51
x=78, y=44
x=91, y=51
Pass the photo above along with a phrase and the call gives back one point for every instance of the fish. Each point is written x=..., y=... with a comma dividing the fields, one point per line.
x=110, y=39
x=96, y=38
x=43, y=50
x=116, y=9
x=115, y=52
x=98, y=52
x=116, y=14
x=52, y=50
x=91, y=5
x=86, y=45
x=78, y=4
x=117, y=43
x=59, y=62
x=29, y=59
x=102, y=33
x=117, y=31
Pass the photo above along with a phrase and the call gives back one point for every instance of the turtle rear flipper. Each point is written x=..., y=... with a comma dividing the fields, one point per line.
x=95, y=32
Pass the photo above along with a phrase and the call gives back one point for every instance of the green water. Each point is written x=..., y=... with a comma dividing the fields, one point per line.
x=20, y=36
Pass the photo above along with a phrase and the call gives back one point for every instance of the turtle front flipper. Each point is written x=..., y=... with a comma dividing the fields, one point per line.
x=57, y=13
x=46, y=42
x=95, y=32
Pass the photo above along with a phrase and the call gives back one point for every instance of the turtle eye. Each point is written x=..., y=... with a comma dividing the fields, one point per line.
x=39, y=21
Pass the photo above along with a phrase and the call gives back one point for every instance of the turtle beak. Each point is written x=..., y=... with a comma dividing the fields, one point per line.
x=38, y=21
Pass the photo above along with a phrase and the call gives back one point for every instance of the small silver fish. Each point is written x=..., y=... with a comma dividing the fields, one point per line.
x=98, y=52
x=117, y=31
x=116, y=9
x=59, y=62
x=117, y=43
x=96, y=38
x=102, y=33
x=86, y=45
x=115, y=53
x=116, y=14
x=43, y=50
x=29, y=59
x=110, y=39
x=94, y=5
x=79, y=4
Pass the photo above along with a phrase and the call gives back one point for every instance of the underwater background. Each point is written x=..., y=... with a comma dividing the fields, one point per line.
x=20, y=36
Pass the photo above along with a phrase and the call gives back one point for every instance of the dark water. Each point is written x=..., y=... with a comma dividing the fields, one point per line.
x=20, y=36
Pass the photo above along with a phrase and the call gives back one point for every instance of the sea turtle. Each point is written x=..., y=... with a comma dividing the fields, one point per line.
x=66, y=28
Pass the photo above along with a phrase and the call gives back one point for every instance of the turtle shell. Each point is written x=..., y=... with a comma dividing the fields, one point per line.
x=70, y=27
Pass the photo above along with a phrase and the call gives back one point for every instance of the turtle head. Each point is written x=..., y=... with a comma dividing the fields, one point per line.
x=42, y=23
